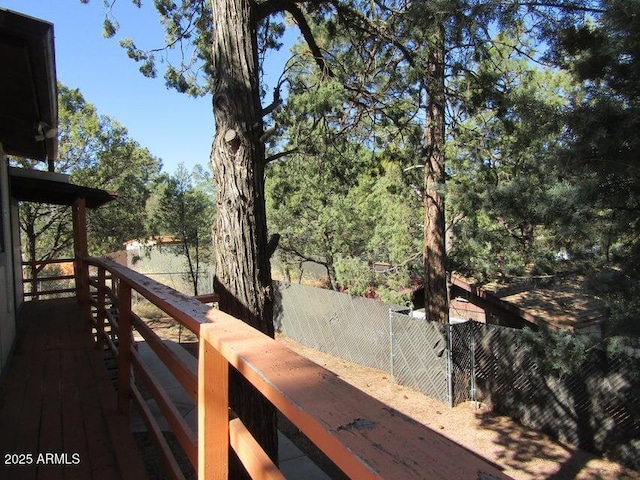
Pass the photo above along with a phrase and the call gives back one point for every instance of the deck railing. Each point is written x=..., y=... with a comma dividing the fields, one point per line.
x=44, y=279
x=362, y=436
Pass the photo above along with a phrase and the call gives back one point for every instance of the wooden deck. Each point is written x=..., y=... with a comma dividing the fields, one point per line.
x=58, y=406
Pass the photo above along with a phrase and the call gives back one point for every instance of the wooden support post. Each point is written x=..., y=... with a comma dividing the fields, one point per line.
x=100, y=309
x=81, y=250
x=213, y=411
x=125, y=339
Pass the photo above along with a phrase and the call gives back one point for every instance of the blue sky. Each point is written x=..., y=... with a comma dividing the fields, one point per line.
x=174, y=127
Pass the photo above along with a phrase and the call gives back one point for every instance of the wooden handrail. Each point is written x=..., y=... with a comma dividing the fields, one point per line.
x=187, y=311
x=185, y=436
x=361, y=435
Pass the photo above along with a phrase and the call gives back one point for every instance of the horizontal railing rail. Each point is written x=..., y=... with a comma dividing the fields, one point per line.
x=51, y=261
x=35, y=282
x=208, y=298
x=362, y=436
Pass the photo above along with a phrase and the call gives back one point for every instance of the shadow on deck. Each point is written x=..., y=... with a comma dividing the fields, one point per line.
x=58, y=405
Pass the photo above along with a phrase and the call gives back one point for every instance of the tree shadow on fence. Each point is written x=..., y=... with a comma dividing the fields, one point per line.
x=570, y=388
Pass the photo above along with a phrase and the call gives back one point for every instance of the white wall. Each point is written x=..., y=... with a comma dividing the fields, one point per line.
x=7, y=293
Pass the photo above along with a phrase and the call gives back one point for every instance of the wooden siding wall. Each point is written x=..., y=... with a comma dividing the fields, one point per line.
x=16, y=246
x=7, y=295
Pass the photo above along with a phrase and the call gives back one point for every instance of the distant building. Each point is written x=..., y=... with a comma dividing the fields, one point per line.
x=560, y=303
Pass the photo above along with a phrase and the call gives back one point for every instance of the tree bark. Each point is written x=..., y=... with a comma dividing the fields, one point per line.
x=435, y=274
x=243, y=273
x=331, y=273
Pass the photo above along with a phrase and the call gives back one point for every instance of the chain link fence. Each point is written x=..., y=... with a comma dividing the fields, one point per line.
x=580, y=393
x=367, y=332
x=166, y=266
x=574, y=391
x=353, y=328
x=462, y=364
x=419, y=355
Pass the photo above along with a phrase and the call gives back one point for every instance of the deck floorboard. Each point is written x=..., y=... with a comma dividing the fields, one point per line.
x=58, y=408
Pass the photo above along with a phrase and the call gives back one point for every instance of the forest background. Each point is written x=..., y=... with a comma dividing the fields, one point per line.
x=491, y=139
x=541, y=149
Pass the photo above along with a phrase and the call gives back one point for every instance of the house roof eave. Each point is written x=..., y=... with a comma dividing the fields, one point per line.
x=53, y=188
x=28, y=88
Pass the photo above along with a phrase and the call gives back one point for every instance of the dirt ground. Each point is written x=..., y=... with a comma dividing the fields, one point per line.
x=522, y=453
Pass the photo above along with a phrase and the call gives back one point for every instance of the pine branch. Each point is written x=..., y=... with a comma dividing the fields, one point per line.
x=305, y=29
x=279, y=155
x=271, y=7
x=369, y=27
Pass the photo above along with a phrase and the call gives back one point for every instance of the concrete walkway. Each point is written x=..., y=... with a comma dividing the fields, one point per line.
x=294, y=464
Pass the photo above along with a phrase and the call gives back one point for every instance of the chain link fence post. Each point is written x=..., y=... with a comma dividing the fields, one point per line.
x=472, y=373
x=391, y=346
x=449, y=366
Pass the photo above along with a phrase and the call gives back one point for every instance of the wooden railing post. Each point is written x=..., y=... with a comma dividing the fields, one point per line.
x=213, y=411
x=124, y=346
x=34, y=281
x=83, y=292
x=100, y=308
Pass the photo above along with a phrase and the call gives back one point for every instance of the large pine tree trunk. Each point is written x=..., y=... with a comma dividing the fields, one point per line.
x=435, y=287
x=243, y=276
